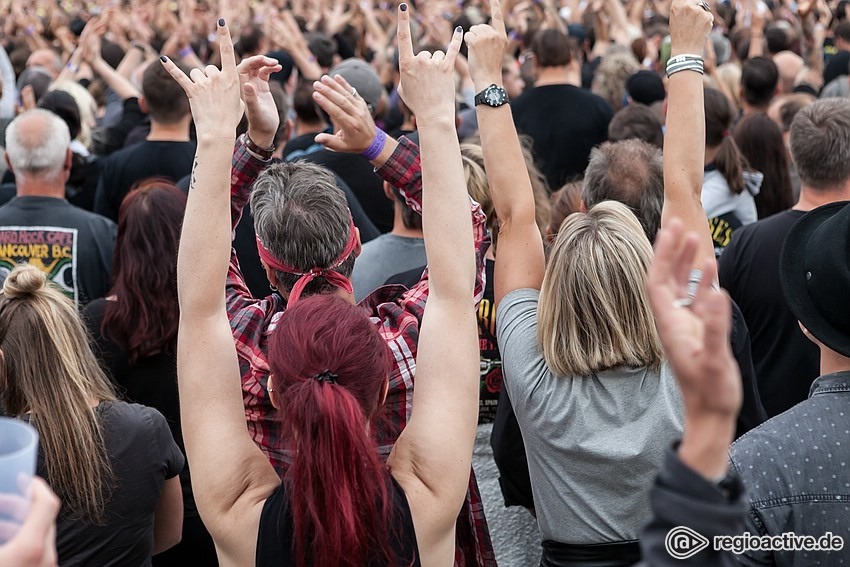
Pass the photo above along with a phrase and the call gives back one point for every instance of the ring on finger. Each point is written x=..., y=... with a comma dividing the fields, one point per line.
x=704, y=5
x=353, y=92
x=682, y=302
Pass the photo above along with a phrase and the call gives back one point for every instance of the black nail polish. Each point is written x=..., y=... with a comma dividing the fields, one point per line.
x=403, y=7
x=221, y=22
x=163, y=58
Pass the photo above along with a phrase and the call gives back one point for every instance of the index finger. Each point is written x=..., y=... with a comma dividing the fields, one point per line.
x=496, y=18
x=228, y=57
x=405, y=44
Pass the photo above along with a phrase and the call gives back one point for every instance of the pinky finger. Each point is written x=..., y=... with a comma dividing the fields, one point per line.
x=178, y=74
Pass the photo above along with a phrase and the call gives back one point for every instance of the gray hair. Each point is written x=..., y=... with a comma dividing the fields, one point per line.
x=302, y=218
x=630, y=172
x=820, y=143
x=37, y=144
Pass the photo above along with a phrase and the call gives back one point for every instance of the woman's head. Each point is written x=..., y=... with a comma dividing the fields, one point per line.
x=329, y=375
x=47, y=369
x=565, y=201
x=718, y=121
x=760, y=141
x=593, y=312
x=143, y=317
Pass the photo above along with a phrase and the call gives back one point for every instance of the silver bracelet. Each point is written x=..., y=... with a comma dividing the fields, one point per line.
x=692, y=65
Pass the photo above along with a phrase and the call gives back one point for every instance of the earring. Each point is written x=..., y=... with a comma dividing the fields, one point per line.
x=274, y=288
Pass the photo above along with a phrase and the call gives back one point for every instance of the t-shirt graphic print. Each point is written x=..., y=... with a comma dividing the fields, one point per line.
x=51, y=249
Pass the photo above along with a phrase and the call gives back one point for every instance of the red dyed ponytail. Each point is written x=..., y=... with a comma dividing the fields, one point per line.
x=337, y=484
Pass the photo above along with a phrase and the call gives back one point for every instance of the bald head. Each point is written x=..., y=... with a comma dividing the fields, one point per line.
x=46, y=59
x=37, y=143
x=789, y=65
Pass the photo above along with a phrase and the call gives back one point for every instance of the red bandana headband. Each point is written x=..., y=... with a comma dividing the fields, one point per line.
x=333, y=277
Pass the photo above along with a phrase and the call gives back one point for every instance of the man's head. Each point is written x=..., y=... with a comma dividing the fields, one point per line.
x=636, y=121
x=645, y=87
x=551, y=48
x=163, y=99
x=302, y=219
x=362, y=77
x=820, y=144
x=759, y=79
x=37, y=148
x=814, y=270
x=631, y=172
x=842, y=36
x=47, y=59
x=789, y=65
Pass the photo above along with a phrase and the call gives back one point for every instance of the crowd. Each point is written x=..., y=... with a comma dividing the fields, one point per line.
x=631, y=215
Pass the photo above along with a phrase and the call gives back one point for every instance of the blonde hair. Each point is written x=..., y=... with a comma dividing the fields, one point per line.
x=730, y=75
x=86, y=105
x=49, y=371
x=594, y=313
x=478, y=187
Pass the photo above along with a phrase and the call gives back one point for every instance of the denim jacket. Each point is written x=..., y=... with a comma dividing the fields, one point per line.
x=796, y=471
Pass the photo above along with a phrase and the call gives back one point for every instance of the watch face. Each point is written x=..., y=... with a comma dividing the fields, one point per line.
x=494, y=96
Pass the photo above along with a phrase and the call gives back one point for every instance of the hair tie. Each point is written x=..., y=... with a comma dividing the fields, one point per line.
x=327, y=376
x=726, y=133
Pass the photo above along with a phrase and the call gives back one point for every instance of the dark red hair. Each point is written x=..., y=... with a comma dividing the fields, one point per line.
x=337, y=483
x=143, y=317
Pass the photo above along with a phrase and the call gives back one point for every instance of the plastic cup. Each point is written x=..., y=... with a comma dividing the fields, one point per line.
x=18, y=452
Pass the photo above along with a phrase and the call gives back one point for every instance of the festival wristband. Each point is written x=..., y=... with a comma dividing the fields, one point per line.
x=377, y=145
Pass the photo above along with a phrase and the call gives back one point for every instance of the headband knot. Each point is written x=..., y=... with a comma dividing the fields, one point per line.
x=334, y=278
x=327, y=376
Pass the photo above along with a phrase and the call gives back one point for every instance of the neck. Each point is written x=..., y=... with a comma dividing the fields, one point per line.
x=831, y=361
x=710, y=154
x=553, y=76
x=814, y=198
x=302, y=127
x=750, y=109
x=39, y=188
x=177, y=132
x=398, y=225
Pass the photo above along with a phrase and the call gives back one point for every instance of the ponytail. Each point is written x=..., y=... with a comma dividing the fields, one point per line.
x=336, y=482
x=337, y=485
x=731, y=164
x=718, y=120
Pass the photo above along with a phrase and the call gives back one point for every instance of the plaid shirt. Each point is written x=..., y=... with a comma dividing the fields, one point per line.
x=396, y=311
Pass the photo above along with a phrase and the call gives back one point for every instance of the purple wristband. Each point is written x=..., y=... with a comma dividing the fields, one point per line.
x=185, y=52
x=377, y=145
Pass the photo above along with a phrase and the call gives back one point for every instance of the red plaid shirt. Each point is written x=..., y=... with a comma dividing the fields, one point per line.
x=395, y=310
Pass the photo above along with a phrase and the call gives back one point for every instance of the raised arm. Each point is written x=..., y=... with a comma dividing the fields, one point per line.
x=230, y=475
x=433, y=473
x=520, y=260
x=684, y=140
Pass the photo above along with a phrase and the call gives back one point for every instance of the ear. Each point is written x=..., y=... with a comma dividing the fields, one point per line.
x=69, y=160
x=287, y=130
x=272, y=277
x=582, y=207
x=271, y=386
x=359, y=246
x=384, y=393
x=550, y=234
x=388, y=192
x=8, y=163
x=143, y=104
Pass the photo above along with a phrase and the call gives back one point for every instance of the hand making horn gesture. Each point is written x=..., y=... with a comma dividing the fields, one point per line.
x=486, y=45
x=427, y=79
x=214, y=95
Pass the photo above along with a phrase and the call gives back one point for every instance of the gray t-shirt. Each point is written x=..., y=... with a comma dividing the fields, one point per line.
x=383, y=258
x=594, y=443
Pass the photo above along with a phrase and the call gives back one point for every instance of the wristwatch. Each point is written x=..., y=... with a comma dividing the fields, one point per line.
x=493, y=95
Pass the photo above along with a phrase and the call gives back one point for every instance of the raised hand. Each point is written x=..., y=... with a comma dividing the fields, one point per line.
x=263, y=116
x=690, y=25
x=214, y=95
x=427, y=80
x=486, y=45
x=354, y=128
x=695, y=334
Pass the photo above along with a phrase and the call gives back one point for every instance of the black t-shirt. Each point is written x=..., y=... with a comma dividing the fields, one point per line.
x=274, y=536
x=72, y=246
x=361, y=178
x=151, y=381
x=786, y=362
x=122, y=169
x=301, y=145
x=565, y=123
x=143, y=455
